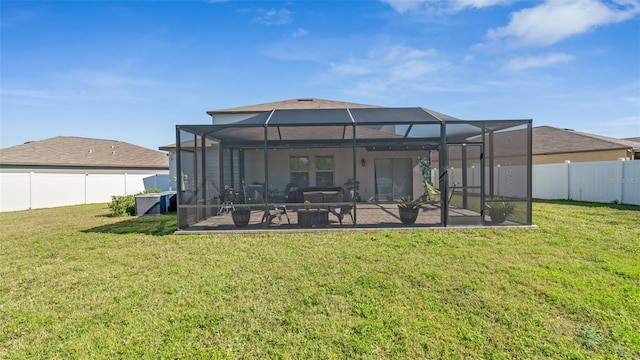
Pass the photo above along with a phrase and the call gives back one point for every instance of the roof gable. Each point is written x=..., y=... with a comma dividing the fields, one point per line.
x=83, y=152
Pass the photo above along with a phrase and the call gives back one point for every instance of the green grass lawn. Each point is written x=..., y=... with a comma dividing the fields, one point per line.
x=77, y=283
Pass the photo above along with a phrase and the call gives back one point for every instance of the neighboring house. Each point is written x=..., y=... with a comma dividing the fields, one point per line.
x=320, y=144
x=68, y=170
x=554, y=145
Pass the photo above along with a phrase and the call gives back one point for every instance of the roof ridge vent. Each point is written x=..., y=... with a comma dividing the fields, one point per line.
x=305, y=99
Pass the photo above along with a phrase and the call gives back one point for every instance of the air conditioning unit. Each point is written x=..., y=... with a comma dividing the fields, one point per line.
x=155, y=203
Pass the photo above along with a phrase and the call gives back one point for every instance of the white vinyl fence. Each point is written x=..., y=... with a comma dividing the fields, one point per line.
x=600, y=181
x=34, y=190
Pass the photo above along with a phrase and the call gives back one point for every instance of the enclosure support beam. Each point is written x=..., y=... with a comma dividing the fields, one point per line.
x=529, y=169
x=204, y=172
x=465, y=174
x=491, y=165
x=266, y=166
x=355, y=180
x=179, y=199
x=444, y=176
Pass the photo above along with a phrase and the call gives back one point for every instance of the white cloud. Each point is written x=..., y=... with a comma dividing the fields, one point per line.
x=477, y=4
x=634, y=100
x=25, y=93
x=300, y=32
x=388, y=69
x=438, y=6
x=273, y=17
x=396, y=62
x=404, y=53
x=625, y=121
x=103, y=79
x=350, y=68
x=528, y=62
x=555, y=20
x=403, y=6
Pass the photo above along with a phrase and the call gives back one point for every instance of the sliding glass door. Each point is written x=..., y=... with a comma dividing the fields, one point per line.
x=393, y=179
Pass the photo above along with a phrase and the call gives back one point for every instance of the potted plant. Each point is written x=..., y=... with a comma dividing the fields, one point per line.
x=498, y=211
x=409, y=209
x=241, y=216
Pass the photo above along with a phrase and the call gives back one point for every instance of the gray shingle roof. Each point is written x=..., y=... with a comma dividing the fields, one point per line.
x=301, y=103
x=550, y=140
x=83, y=152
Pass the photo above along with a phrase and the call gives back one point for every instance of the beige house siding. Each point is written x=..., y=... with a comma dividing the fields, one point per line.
x=584, y=156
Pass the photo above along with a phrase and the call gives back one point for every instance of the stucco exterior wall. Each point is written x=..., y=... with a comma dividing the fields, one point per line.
x=279, y=167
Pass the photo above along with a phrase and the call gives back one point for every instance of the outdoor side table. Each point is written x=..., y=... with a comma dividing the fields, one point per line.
x=313, y=218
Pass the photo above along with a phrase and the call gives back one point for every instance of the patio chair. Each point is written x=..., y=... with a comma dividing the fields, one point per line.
x=277, y=212
x=343, y=210
x=226, y=196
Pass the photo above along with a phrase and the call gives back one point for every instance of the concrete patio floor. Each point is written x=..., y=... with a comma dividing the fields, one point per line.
x=370, y=216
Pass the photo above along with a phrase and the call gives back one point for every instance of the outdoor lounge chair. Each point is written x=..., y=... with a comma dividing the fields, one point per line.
x=433, y=195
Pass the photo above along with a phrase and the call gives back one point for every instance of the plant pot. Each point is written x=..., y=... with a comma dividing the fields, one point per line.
x=408, y=216
x=498, y=217
x=241, y=217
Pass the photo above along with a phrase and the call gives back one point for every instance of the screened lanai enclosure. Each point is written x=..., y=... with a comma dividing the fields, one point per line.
x=346, y=168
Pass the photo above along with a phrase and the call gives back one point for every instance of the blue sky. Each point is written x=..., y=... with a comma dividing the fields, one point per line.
x=132, y=70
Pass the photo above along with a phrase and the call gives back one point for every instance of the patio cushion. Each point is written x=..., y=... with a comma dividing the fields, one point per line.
x=297, y=196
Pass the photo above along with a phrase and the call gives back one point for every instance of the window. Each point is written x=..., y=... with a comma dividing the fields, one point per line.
x=324, y=170
x=299, y=167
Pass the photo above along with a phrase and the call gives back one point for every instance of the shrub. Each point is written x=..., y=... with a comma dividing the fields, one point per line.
x=125, y=205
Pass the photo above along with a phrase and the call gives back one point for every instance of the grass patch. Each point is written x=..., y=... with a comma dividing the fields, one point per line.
x=79, y=283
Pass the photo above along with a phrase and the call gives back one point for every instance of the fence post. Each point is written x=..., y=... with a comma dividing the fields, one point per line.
x=620, y=181
x=568, y=170
x=31, y=190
